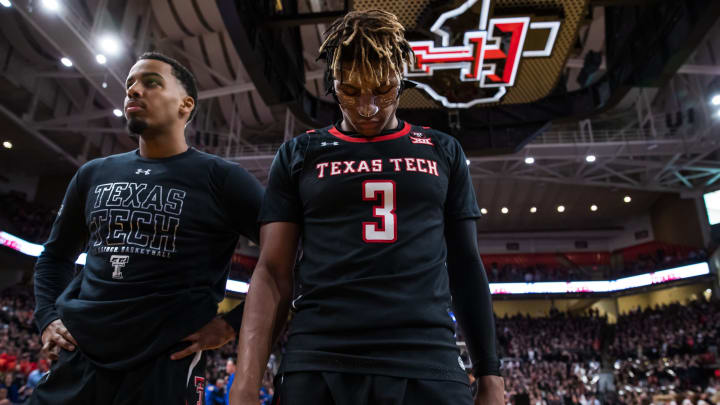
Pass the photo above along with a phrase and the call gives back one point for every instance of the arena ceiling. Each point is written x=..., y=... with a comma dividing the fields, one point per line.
x=652, y=138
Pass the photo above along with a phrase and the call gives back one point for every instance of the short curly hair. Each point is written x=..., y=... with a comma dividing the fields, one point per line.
x=183, y=74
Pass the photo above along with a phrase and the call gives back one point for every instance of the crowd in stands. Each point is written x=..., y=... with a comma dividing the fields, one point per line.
x=665, y=355
x=31, y=222
x=22, y=363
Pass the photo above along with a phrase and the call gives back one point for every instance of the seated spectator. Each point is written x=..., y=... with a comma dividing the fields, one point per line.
x=12, y=386
x=4, y=397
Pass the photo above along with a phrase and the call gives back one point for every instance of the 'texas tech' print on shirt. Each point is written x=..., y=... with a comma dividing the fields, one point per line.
x=160, y=235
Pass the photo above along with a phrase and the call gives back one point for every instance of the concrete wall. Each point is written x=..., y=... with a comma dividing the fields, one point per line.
x=564, y=241
x=607, y=307
x=676, y=220
x=539, y=244
x=628, y=237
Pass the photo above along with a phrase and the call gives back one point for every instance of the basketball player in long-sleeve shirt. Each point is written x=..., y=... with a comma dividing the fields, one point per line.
x=160, y=225
x=386, y=211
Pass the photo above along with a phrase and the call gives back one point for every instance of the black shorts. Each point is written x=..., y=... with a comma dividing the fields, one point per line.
x=329, y=388
x=75, y=380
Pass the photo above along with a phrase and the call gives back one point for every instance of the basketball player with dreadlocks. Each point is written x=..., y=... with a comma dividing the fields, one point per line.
x=160, y=224
x=386, y=212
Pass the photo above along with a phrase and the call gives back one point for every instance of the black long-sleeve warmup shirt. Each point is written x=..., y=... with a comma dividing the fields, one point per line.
x=160, y=235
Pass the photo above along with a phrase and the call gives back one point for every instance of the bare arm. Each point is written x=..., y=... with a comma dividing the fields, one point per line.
x=266, y=308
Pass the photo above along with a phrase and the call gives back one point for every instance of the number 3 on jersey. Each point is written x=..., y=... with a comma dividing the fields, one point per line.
x=385, y=211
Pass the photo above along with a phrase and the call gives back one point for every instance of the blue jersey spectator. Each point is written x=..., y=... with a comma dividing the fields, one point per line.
x=215, y=394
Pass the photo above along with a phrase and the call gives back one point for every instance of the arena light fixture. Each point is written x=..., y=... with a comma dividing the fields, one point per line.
x=51, y=5
x=104, y=85
x=590, y=158
x=504, y=210
x=109, y=44
x=5, y=3
x=715, y=100
x=117, y=113
x=593, y=208
x=100, y=58
x=483, y=211
x=66, y=61
x=7, y=145
x=529, y=160
x=627, y=199
x=533, y=210
x=561, y=208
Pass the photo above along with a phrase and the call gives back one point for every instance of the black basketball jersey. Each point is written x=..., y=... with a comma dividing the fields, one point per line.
x=372, y=282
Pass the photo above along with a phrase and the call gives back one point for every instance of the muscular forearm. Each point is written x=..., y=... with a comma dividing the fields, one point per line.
x=265, y=314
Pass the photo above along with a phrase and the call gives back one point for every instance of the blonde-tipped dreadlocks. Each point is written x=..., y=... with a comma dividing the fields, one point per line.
x=373, y=41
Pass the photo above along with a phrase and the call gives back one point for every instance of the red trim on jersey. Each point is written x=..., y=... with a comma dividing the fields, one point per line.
x=404, y=131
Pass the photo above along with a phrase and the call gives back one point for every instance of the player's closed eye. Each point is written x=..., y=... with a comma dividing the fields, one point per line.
x=383, y=98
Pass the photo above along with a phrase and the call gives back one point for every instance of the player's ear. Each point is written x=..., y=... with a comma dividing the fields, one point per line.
x=187, y=105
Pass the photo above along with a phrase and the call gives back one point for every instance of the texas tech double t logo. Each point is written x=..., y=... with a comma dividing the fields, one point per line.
x=475, y=61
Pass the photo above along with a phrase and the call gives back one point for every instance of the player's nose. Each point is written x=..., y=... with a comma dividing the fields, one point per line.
x=367, y=106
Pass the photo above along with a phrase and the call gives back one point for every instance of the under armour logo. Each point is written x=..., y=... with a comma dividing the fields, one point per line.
x=329, y=143
x=118, y=262
x=141, y=171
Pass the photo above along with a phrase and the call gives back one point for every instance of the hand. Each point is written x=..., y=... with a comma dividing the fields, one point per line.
x=491, y=390
x=56, y=337
x=211, y=336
